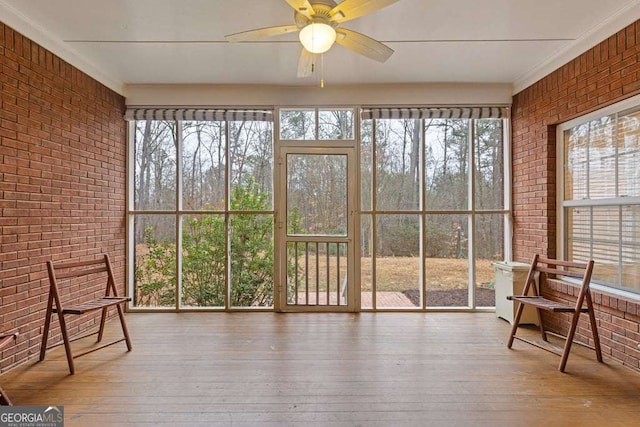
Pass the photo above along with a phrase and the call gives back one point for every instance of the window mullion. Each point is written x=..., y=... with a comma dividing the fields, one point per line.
x=472, y=214
x=227, y=224
x=178, y=213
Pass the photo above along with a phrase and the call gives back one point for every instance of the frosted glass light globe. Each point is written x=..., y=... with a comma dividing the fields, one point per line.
x=317, y=37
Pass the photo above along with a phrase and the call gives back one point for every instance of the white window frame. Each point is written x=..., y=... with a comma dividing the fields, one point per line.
x=561, y=204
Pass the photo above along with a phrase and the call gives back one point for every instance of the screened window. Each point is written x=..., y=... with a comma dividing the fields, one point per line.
x=317, y=124
x=201, y=218
x=600, y=197
x=433, y=210
x=432, y=214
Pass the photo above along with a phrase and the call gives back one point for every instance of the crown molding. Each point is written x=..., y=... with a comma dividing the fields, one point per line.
x=586, y=41
x=22, y=24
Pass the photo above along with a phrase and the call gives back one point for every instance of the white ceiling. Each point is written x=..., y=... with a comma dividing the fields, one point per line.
x=123, y=42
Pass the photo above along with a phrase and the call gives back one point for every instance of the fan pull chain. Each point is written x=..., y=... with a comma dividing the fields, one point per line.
x=322, y=71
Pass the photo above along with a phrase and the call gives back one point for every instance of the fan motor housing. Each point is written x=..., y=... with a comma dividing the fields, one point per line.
x=321, y=10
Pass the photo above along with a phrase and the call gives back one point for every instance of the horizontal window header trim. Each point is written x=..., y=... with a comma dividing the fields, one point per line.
x=437, y=113
x=198, y=114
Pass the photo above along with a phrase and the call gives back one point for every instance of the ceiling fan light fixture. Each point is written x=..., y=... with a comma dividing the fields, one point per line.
x=317, y=37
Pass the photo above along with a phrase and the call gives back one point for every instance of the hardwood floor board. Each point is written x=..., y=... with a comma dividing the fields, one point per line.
x=326, y=369
x=336, y=407
x=488, y=402
x=350, y=418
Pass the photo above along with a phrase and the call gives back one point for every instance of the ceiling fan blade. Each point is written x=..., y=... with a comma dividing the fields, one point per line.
x=302, y=6
x=352, y=9
x=261, y=33
x=305, y=63
x=364, y=45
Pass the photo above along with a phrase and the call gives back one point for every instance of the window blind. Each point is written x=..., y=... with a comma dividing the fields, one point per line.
x=198, y=114
x=437, y=113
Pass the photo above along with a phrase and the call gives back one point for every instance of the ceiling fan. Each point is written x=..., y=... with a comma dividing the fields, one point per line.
x=319, y=24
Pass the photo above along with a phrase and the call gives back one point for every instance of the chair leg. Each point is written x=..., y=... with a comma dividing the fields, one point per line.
x=569, y=341
x=47, y=324
x=103, y=319
x=123, y=323
x=4, y=399
x=516, y=323
x=594, y=328
x=67, y=343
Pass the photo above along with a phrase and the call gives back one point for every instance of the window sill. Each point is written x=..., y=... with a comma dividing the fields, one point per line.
x=619, y=293
x=605, y=290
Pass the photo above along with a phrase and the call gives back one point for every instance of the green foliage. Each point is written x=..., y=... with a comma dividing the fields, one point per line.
x=294, y=226
x=399, y=237
x=203, y=249
x=203, y=258
x=251, y=249
x=155, y=274
x=441, y=240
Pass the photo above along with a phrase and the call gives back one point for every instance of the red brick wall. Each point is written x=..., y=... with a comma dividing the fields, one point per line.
x=62, y=181
x=617, y=318
x=605, y=74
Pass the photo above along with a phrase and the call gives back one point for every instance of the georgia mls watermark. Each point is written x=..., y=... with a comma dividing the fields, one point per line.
x=31, y=416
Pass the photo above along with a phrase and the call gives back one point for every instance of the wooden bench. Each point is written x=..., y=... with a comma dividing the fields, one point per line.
x=5, y=340
x=551, y=268
x=74, y=306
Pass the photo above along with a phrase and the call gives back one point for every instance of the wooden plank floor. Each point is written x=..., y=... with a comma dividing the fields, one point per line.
x=327, y=369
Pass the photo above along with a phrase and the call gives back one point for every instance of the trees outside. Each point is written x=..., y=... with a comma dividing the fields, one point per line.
x=317, y=192
x=227, y=168
x=333, y=124
x=218, y=204
x=397, y=150
x=447, y=164
x=336, y=124
x=203, y=265
x=155, y=165
x=398, y=153
x=415, y=176
x=204, y=158
x=489, y=189
x=297, y=124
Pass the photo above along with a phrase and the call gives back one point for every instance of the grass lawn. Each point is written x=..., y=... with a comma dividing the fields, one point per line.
x=399, y=274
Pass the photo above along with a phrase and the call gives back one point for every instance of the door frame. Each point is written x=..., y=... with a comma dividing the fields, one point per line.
x=352, y=238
